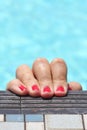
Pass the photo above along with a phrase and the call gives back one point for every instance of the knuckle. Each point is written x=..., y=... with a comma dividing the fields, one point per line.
x=41, y=60
x=58, y=60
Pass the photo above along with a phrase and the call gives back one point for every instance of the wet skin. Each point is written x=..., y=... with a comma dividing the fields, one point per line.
x=44, y=79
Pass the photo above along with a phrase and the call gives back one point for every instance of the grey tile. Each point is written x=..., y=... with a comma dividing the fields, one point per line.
x=1, y=117
x=34, y=125
x=11, y=126
x=63, y=122
x=14, y=117
x=34, y=117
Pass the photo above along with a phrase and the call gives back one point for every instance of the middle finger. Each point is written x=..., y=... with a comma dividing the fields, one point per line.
x=41, y=70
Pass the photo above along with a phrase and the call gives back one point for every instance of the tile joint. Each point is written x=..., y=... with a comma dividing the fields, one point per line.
x=83, y=122
x=44, y=121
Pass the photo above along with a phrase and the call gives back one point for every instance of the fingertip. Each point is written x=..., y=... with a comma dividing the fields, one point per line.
x=74, y=86
x=17, y=87
x=61, y=91
x=34, y=90
x=47, y=92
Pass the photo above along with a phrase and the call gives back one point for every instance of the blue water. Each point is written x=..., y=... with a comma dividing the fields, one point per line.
x=43, y=28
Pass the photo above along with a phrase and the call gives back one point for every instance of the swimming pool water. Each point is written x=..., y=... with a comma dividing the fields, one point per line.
x=43, y=28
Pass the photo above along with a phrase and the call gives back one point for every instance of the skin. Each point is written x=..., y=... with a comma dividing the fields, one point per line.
x=43, y=74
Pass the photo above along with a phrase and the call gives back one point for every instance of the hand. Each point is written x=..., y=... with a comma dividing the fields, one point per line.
x=44, y=79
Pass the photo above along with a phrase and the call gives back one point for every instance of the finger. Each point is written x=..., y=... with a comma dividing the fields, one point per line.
x=16, y=86
x=41, y=70
x=74, y=86
x=59, y=75
x=25, y=75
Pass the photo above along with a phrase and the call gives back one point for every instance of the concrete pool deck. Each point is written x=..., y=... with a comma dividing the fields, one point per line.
x=58, y=113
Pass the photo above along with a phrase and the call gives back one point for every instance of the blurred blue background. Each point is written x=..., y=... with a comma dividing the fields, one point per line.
x=43, y=28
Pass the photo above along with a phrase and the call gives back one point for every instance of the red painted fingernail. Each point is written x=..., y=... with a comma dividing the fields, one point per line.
x=35, y=88
x=22, y=88
x=60, y=88
x=69, y=88
x=46, y=89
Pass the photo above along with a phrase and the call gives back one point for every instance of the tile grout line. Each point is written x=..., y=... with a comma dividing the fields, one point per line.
x=44, y=121
x=23, y=115
x=24, y=123
x=20, y=104
x=4, y=117
x=83, y=122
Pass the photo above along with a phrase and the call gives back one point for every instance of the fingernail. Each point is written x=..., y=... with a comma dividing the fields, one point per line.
x=22, y=88
x=46, y=89
x=60, y=88
x=69, y=88
x=35, y=88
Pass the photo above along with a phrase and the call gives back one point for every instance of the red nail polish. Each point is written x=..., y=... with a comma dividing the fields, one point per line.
x=69, y=88
x=22, y=87
x=46, y=89
x=60, y=88
x=35, y=88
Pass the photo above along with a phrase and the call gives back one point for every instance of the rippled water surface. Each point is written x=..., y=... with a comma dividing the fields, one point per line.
x=43, y=28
